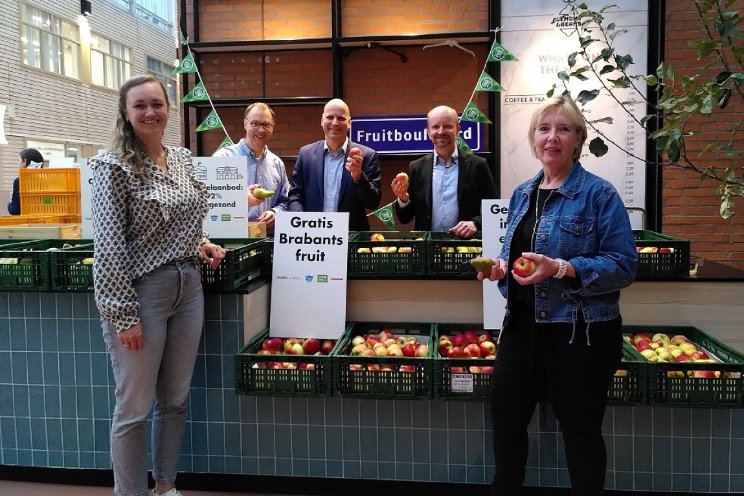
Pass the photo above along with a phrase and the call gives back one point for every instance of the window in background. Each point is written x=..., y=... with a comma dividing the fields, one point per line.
x=163, y=72
x=160, y=13
x=110, y=62
x=49, y=43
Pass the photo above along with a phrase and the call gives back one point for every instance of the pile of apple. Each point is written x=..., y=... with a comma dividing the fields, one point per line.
x=293, y=346
x=386, y=344
x=660, y=347
x=654, y=249
x=384, y=249
x=468, y=344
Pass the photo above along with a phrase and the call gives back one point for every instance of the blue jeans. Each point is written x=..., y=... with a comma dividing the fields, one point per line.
x=172, y=316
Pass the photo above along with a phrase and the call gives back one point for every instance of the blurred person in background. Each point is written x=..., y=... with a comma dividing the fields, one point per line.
x=28, y=157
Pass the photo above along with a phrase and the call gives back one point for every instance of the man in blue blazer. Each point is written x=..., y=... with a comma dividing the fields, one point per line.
x=327, y=178
x=447, y=186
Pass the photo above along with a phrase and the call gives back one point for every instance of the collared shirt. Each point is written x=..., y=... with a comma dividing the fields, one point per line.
x=139, y=226
x=267, y=170
x=333, y=166
x=444, y=209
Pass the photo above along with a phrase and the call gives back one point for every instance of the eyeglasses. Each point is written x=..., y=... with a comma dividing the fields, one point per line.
x=265, y=125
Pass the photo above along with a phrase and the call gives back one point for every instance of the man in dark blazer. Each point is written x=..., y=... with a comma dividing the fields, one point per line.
x=327, y=178
x=447, y=186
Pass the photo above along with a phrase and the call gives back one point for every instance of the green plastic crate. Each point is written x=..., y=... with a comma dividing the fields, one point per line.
x=629, y=385
x=31, y=269
x=243, y=262
x=671, y=383
x=365, y=263
x=352, y=374
x=470, y=384
x=662, y=262
x=70, y=270
x=254, y=374
x=449, y=256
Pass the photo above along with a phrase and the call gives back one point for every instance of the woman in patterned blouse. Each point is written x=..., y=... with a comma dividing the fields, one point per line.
x=147, y=212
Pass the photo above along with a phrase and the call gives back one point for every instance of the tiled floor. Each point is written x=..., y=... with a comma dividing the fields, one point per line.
x=13, y=488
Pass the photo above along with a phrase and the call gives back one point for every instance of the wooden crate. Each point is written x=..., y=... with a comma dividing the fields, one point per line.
x=41, y=231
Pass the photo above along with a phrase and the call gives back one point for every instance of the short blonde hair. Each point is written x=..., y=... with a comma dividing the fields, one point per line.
x=260, y=105
x=567, y=105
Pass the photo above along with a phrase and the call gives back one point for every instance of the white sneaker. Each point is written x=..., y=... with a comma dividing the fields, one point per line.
x=172, y=492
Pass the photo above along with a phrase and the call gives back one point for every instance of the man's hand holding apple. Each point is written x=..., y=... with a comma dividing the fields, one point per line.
x=354, y=164
x=400, y=187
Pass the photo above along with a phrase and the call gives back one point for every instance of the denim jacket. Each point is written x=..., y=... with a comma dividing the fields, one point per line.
x=585, y=223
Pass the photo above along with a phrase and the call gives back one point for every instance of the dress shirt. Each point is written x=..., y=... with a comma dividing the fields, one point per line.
x=444, y=212
x=333, y=165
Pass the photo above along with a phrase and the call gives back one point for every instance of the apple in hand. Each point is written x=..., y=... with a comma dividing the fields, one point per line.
x=402, y=178
x=524, y=267
x=355, y=152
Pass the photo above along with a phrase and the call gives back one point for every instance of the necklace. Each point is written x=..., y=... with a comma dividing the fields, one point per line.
x=539, y=211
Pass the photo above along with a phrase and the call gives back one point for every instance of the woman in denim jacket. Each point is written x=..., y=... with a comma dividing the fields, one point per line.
x=561, y=340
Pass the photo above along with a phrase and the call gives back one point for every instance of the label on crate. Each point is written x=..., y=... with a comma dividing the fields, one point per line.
x=461, y=383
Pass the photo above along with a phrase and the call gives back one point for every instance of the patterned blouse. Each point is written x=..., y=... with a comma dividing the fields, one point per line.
x=139, y=226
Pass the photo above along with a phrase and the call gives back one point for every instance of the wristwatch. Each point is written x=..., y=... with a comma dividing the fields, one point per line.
x=562, y=268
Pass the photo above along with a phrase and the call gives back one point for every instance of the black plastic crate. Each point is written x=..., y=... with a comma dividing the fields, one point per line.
x=25, y=266
x=72, y=268
x=629, y=385
x=243, y=262
x=382, y=377
x=661, y=254
x=695, y=384
x=401, y=254
x=449, y=256
x=466, y=379
x=298, y=375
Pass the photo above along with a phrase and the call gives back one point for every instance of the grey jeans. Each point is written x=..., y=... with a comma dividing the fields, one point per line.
x=172, y=315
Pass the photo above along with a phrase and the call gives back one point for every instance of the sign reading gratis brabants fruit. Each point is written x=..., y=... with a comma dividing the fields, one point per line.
x=494, y=215
x=226, y=180
x=308, y=280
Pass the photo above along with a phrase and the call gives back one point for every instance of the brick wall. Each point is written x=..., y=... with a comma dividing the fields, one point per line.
x=690, y=207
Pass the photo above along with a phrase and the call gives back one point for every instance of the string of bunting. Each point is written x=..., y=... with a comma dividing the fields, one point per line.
x=199, y=93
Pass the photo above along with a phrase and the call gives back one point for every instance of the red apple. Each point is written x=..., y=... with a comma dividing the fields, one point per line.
x=409, y=350
x=444, y=347
x=485, y=337
x=327, y=346
x=456, y=352
x=273, y=344
x=407, y=368
x=311, y=346
x=457, y=370
x=472, y=351
x=376, y=237
x=524, y=267
x=422, y=351
x=458, y=340
x=470, y=336
x=355, y=152
x=699, y=355
x=487, y=348
x=402, y=177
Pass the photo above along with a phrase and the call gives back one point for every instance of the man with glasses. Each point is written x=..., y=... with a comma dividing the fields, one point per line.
x=334, y=174
x=265, y=169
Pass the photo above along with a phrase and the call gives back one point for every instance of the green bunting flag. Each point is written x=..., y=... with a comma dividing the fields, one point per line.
x=211, y=122
x=473, y=114
x=186, y=66
x=386, y=215
x=461, y=144
x=225, y=143
x=197, y=94
x=487, y=83
x=499, y=53
x=184, y=39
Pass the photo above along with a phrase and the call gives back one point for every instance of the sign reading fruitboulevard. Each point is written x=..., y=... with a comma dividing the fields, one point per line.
x=225, y=178
x=308, y=281
x=494, y=214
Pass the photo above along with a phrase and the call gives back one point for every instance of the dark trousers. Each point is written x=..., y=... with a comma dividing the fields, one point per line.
x=537, y=362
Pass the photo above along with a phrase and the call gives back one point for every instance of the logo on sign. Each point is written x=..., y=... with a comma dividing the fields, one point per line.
x=472, y=113
x=498, y=53
x=322, y=278
x=386, y=215
x=309, y=278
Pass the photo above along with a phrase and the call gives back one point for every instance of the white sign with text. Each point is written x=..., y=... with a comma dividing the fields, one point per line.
x=308, y=282
x=225, y=178
x=494, y=215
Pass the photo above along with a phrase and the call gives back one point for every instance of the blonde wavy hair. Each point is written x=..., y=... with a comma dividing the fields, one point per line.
x=569, y=108
x=126, y=145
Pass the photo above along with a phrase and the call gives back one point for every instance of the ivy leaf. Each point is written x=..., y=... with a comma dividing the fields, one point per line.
x=563, y=76
x=597, y=147
x=607, y=120
x=572, y=60
x=707, y=107
x=623, y=61
x=622, y=82
x=607, y=69
x=651, y=80
x=585, y=96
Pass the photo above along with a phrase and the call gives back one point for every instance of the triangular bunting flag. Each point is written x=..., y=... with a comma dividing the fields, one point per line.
x=499, y=53
x=473, y=114
x=386, y=215
x=197, y=94
x=461, y=144
x=487, y=83
x=186, y=66
x=225, y=143
x=184, y=39
x=211, y=122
